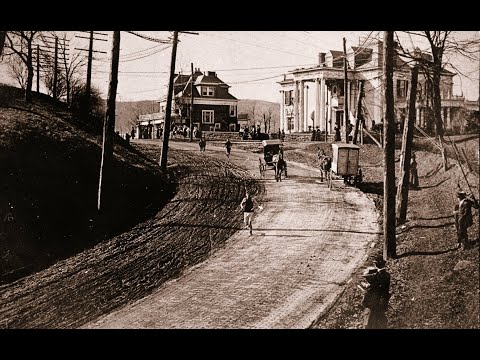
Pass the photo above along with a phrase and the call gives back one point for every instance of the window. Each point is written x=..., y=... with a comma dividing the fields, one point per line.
x=402, y=87
x=233, y=110
x=217, y=126
x=208, y=91
x=207, y=116
x=288, y=97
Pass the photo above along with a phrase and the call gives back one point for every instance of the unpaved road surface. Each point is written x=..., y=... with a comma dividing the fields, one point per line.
x=306, y=243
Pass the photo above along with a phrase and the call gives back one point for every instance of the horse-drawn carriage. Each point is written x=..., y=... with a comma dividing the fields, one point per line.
x=345, y=164
x=273, y=157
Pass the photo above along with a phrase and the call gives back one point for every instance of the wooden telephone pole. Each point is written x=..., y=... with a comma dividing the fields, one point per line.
x=109, y=124
x=55, y=70
x=346, y=117
x=389, y=249
x=359, y=118
x=86, y=100
x=168, y=109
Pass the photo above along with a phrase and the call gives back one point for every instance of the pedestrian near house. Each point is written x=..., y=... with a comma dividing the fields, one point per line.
x=463, y=217
x=283, y=135
x=248, y=204
x=202, y=144
x=228, y=147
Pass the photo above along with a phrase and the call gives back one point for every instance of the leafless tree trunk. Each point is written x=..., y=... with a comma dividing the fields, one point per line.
x=404, y=182
x=252, y=113
x=18, y=71
x=20, y=43
x=3, y=34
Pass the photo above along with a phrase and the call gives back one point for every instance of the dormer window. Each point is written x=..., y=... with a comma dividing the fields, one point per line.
x=208, y=91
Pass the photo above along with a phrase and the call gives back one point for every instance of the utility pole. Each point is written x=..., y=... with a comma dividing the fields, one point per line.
x=86, y=100
x=109, y=125
x=89, y=76
x=38, y=69
x=405, y=156
x=55, y=69
x=345, y=90
x=389, y=248
x=168, y=109
x=191, y=108
x=359, y=118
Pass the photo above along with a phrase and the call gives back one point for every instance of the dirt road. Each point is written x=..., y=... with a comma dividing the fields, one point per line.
x=307, y=241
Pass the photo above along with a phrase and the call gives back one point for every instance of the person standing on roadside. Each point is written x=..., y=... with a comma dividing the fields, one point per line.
x=463, y=217
x=413, y=172
x=376, y=295
x=247, y=205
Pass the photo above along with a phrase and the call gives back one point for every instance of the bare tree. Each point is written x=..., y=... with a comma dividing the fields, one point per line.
x=68, y=71
x=443, y=45
x=18, y=71
x=3, y=34
x=252, y=113
x=20, y=44
x=267, y=119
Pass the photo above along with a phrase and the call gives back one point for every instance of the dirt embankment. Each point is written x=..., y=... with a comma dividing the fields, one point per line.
x=127, y=267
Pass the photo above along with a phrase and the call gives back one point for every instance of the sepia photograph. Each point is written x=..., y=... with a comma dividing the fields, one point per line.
x=223, y=179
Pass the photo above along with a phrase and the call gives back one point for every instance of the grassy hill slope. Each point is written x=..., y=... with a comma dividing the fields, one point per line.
x=49, y=171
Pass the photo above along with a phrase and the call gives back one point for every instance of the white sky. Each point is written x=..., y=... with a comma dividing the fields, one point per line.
x=251, y=62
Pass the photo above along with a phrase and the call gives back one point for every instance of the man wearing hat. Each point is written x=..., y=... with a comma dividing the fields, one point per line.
x=376, y=295
x=463, y=217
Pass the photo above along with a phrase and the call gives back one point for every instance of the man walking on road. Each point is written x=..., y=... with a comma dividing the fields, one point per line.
x=247, y=205
x=228, y=146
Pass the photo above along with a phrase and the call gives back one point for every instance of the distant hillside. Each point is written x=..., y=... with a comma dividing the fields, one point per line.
x=128, y=111
x=246, y=106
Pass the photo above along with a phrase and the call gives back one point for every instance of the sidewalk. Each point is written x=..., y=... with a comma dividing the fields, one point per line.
x=306, y=243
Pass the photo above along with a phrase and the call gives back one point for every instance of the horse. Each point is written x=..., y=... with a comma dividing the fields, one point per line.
x=325, y=166
x=280, y=165
x=262, y=165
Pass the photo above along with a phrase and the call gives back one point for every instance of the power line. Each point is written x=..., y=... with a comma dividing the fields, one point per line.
x=262, y=47
x=150, y=38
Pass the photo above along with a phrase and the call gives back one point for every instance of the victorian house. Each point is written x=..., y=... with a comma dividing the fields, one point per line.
x=214, y=108
x=326, y=79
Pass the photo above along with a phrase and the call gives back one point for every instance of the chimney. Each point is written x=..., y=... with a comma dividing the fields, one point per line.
x=212, y=73
x=321, y=59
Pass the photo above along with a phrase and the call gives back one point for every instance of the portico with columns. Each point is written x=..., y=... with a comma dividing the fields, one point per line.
x=324, y=85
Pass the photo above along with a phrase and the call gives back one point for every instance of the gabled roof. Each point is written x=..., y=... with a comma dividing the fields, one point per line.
x=208, y=80
x=336, y=54
x=187, y=91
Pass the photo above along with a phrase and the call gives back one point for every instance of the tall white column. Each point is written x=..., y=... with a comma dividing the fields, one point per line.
x=282, y=110
x=448, y=119
x=302, y=107
x=329, y=111
x=306, y=119
x=322, y=104
x=417, y=120
x=317, y=104
x=295, y=107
